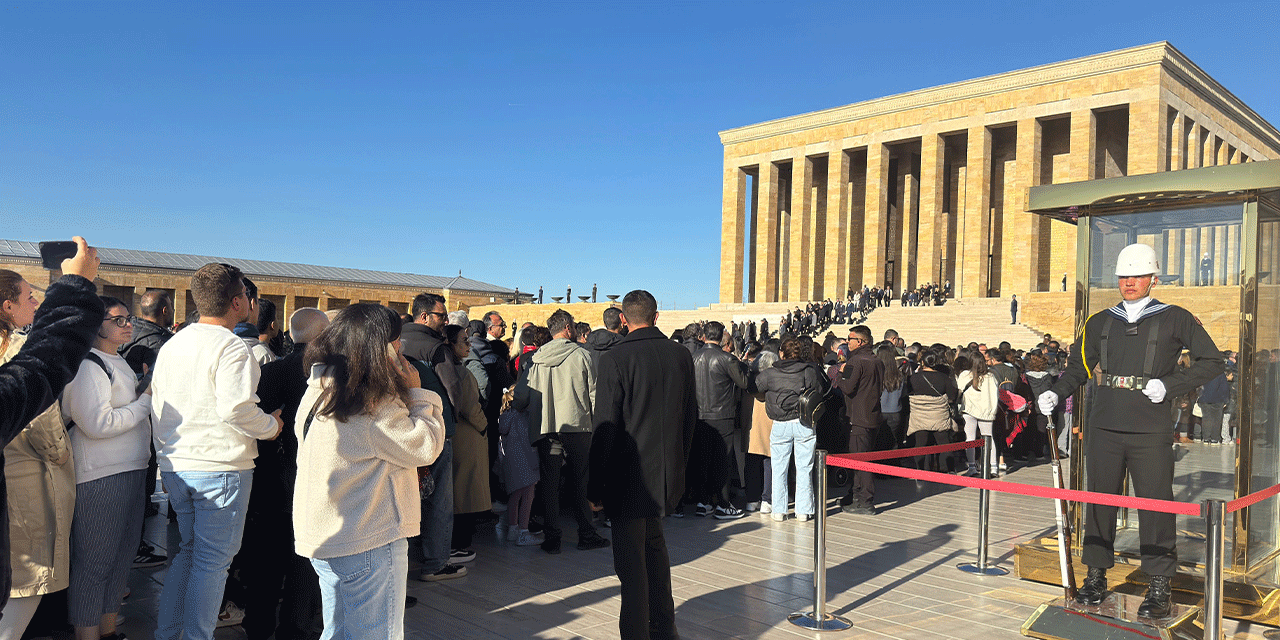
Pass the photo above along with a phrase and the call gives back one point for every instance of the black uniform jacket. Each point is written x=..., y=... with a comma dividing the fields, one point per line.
x=1129, y=410
x=645, y=412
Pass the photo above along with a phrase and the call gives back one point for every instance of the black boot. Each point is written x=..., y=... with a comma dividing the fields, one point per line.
x=1094, y=587
x=1157, y=603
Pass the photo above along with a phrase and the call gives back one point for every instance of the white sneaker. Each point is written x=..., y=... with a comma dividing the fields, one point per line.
x=526, y=539
x=804, y=517
x=765, y=507
x=778, y=517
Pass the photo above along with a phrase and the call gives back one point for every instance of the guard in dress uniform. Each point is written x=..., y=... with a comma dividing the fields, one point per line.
x=1130, y=351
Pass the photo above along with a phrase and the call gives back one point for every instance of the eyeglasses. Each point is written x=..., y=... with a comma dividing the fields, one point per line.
x=120, y=321
x=437, y=313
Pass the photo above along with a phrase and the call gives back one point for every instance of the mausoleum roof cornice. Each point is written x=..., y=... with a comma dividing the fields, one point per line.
x=1158, y=53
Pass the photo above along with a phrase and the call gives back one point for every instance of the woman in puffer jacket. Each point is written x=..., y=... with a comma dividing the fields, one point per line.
x=782, y=385
x=979, y=400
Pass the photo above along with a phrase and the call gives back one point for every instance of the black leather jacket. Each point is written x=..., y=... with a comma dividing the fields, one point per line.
x=717, y=377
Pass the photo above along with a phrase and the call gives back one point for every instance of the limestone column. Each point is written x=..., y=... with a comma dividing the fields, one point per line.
x=875, y=215
x=180, y=305
x=766, y=283
x=136, y=303
x=1178, y=143
x=977, y=214
x=906, y=276
x=1209, y=159
x=1026, y=254
x=1084, y=140
x=290, y=305
x=733, y=229
x=835, y=278
x=932, y=155
x=1195, y=153
x=799, y=287
x=1147, y=144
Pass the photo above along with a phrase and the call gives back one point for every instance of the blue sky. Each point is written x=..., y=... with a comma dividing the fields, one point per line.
x=525, y=144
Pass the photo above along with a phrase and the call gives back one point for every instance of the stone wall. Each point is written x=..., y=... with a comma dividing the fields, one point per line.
x=1217, y=308
x=289, y=294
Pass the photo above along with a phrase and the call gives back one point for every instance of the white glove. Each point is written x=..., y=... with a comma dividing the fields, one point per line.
x=1154, y=390
x=1047, y=401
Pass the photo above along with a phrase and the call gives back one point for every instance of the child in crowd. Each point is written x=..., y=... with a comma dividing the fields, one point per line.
x=518, y=464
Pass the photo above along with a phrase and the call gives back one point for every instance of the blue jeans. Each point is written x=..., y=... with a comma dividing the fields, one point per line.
x=363, y=594
x=786, y=437
x=437, y=513
x=210, y=506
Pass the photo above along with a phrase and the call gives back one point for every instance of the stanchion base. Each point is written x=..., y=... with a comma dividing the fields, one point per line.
x=1115, y=619
x=806, y=620
x=989, y=570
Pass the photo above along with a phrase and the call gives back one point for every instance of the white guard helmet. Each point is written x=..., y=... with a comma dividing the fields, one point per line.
x=1137, y=260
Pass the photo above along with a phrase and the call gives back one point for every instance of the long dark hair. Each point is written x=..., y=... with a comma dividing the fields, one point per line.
x=892, y=371
x=354, y=348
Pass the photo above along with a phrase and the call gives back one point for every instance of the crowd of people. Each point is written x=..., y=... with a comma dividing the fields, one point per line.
x=306, y=469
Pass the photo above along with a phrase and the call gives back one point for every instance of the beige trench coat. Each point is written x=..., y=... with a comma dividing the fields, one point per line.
x=470, y=448
x=761, y=425
x=42, y=498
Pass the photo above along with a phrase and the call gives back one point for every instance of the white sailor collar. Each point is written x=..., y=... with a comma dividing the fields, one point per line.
x=1153, y=307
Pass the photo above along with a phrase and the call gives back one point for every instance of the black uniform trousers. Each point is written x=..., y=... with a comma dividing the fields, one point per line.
x=1148, y=458
x=640, y=559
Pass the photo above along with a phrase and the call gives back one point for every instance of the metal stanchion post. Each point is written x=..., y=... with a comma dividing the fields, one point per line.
x=984, y=511
x=819, y=619
x=1214, y=515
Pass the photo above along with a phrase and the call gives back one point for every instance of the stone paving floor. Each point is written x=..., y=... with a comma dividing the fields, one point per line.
x=893, y=575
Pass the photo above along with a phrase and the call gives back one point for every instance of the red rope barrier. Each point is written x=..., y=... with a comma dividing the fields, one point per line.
x=1252, y=499
x=906, y=453
x=855, y=461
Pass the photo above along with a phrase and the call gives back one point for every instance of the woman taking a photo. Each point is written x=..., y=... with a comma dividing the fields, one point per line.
x=368, y=427
x=41, y=482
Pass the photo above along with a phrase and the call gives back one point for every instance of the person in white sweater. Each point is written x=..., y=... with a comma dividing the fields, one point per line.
x=205, y=425
x=979, y=398
x=107, y=420
x=364, y=426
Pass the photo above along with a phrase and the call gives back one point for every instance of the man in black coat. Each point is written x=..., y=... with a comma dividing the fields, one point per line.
x=719, y=380
x=646, y=408
x=860, y=381
x=64, y=328
x=269, y=568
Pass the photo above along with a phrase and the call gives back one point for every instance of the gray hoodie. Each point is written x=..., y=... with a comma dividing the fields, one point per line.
x=559, y=391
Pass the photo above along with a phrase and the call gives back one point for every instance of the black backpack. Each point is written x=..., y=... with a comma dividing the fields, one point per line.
x=816, y=401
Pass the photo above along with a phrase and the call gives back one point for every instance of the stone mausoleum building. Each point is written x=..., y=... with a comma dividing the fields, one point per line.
x=128, y=273
x=931, y=185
